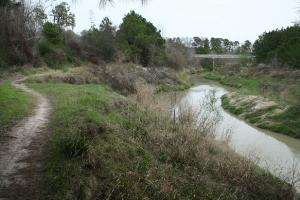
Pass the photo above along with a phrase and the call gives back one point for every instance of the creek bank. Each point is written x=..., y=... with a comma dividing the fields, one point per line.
x=267, y=97
x=105, y=146
x=277, y=153
x=262, y=113
x=121, y=77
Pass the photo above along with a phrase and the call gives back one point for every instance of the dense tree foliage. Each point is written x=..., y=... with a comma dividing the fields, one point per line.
x=62, y=15
x=140, y=40
x=201, y=45
x=52, y=45
x=220, y=46
x=28, y=35
x=53, y=33
x=100, y=43
x=5, y=3
x=279, y=47
x=216, y=45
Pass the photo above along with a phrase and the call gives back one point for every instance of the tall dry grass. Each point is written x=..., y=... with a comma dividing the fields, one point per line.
x=190, y=143
x=127, y=149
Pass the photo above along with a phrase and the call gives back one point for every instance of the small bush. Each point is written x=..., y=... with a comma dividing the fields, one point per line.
x=2, y=63
x=53, y=33
x=56, y=58
x=45, y=47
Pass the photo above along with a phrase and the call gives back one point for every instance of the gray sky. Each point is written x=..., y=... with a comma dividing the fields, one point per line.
x=232, y=19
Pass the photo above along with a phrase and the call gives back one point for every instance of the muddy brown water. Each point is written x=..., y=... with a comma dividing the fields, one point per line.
x=277, y=153
x=20, y=145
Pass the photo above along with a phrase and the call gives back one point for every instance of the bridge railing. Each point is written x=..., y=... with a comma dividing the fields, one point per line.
x=221, y=56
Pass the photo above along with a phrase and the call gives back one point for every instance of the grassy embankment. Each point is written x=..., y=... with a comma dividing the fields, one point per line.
x=14, y=106
x=104, y=146
x=282, y=89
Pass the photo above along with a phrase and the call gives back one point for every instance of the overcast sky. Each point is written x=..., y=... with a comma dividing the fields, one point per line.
x=232, y=19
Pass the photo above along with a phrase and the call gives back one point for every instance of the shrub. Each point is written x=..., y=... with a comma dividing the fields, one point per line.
x=53, y=33
x=53, y=46
x=45, y=47
x=2, y=63
x=56, y=58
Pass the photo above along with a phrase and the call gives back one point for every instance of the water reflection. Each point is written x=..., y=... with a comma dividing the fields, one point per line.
x=278, y=153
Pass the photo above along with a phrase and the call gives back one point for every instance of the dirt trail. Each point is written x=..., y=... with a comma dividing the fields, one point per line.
x=20, y=151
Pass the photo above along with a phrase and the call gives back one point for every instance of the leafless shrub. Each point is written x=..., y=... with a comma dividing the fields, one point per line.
x=292, y=174
x=18, y=32
x=178, y=55
x=209, y=115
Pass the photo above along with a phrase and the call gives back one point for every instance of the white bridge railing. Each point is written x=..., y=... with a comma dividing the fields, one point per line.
x=221, y=56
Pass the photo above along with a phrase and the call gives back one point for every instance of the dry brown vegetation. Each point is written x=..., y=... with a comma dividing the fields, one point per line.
x=114, y=148
x=120, y=77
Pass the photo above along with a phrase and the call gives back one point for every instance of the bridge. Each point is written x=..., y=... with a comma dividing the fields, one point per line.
x=221, y=56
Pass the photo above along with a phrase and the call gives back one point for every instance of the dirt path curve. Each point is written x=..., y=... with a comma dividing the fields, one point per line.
x=20, y=151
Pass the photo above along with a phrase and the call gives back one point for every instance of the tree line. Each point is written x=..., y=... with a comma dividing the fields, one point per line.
x=29, y=35
x=220, y=46
x=280, y=47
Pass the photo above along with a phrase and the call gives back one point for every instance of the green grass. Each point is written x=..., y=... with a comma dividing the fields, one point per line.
x=244, y=85
x=288, y=122
x=227, y=106
x=14, y=106
x=104, y=146
x=80, y=119
x=253, y=85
